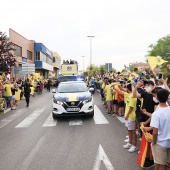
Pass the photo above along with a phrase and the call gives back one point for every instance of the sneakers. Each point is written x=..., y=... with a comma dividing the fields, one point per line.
x=13, y=108
x=127, y=137
x=148, y=164
x=133, y=149
x=115, y=115
x=127, y=140
x=127, y=146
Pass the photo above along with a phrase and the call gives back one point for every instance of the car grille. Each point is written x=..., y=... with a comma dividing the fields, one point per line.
x=76, y=104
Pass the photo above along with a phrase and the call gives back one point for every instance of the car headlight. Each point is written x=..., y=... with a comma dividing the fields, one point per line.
x=87, y=100
x=57, y=102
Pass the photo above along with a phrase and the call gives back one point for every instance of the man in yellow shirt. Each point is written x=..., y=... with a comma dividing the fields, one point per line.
x=8, y=93
x=130, y=117
x=109, y=99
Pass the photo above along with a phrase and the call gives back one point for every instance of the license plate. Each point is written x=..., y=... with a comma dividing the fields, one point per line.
x=73, y=109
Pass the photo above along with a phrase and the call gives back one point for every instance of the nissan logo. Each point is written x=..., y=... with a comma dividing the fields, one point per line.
x=72, y=103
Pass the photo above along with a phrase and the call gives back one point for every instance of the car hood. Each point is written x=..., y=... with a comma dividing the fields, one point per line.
x=68, y=97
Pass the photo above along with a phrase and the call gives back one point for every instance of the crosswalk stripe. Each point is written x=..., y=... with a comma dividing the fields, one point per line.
x=99, y=117
x=31, y=118
x=76, y=121
x=16, y=114
x=50, y=122
x=122, y=119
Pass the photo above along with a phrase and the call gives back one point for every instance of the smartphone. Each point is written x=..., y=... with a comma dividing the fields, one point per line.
x=160, y=76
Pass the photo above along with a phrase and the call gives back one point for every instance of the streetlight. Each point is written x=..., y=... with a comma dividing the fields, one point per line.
x=90, y=36
x=83, y=62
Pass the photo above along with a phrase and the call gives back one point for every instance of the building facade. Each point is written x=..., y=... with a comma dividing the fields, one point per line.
x=24, y=53
x=43, y=60
x=56, y=64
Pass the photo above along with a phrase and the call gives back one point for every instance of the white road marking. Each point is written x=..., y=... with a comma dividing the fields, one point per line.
x=75, y=121
x=15, y=114
x=50, y=122
x=7, y=110
x=31, y=118
x=122, y=119
x=26, y=163
x=101, y=156
x=99, y=117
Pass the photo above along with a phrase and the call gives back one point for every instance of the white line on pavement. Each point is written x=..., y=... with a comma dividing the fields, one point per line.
x=99, y=117
x=101, y=156
x=16, y=114
x=32, y=154
x=122, y=119
x=50, y=122
x=7, y=110
x=75, y=121
x=31, y=118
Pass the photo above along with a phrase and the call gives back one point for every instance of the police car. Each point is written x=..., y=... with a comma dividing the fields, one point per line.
x=72, y=98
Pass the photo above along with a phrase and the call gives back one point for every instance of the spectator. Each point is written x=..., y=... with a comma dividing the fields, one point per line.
x=109, y=99
x=8, y=94
x=130, y=117
x=161, y=132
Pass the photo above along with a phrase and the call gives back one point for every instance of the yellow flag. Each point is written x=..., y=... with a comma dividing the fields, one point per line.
x=154, y=61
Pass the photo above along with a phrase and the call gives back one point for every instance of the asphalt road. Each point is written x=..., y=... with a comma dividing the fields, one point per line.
x=31, y=140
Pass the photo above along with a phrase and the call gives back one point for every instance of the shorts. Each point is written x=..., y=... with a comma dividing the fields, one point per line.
x=9, y=99
x=115, y=102
x=121, y=104
x=109, y=102
x=130, y=124
x=160, y=155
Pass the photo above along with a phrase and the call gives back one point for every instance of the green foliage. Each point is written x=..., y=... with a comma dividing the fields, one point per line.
x=161, y=48
x=7, y=59
x=131, y=66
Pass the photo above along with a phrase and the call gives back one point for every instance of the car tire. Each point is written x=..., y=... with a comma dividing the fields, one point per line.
x=54, y=116
x=91, y=115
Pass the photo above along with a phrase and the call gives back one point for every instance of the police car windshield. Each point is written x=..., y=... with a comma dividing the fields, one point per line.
x=70, y=78
x=72, y=88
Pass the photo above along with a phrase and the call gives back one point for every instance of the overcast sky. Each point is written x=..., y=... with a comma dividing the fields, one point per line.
x=123, y=29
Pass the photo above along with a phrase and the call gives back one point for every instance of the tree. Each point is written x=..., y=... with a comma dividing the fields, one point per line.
x=7, y=59
x=161, y=48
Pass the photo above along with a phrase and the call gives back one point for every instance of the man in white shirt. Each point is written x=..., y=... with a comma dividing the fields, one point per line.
x=160, y=122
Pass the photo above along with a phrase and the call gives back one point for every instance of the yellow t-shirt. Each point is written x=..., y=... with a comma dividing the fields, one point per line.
x=7, y=91
x=108, y=92
x=103, y=85
x=131, y=102
x=125, y=96
x=115, y=93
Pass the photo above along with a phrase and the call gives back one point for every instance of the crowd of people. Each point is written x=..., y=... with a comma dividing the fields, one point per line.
x=144, y=105
x=14, y=90
x=70, y=62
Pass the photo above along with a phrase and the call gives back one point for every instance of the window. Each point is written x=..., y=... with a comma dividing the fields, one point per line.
x=53, y=59
x=29, y=55
x=37, y=56
x=18, y=50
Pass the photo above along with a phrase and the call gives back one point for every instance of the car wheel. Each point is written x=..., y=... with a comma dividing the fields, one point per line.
x=54, y=116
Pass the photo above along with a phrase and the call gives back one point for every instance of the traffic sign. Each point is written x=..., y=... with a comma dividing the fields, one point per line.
x=28, y=68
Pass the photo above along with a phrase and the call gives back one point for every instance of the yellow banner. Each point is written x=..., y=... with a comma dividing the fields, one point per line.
x=154, y=61
x=69, y=69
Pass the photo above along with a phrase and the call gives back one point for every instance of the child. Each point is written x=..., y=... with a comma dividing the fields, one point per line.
x=161, y=132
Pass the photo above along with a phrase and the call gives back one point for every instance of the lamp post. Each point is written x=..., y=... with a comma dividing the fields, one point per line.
x=83, y=62
x=90, y=36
